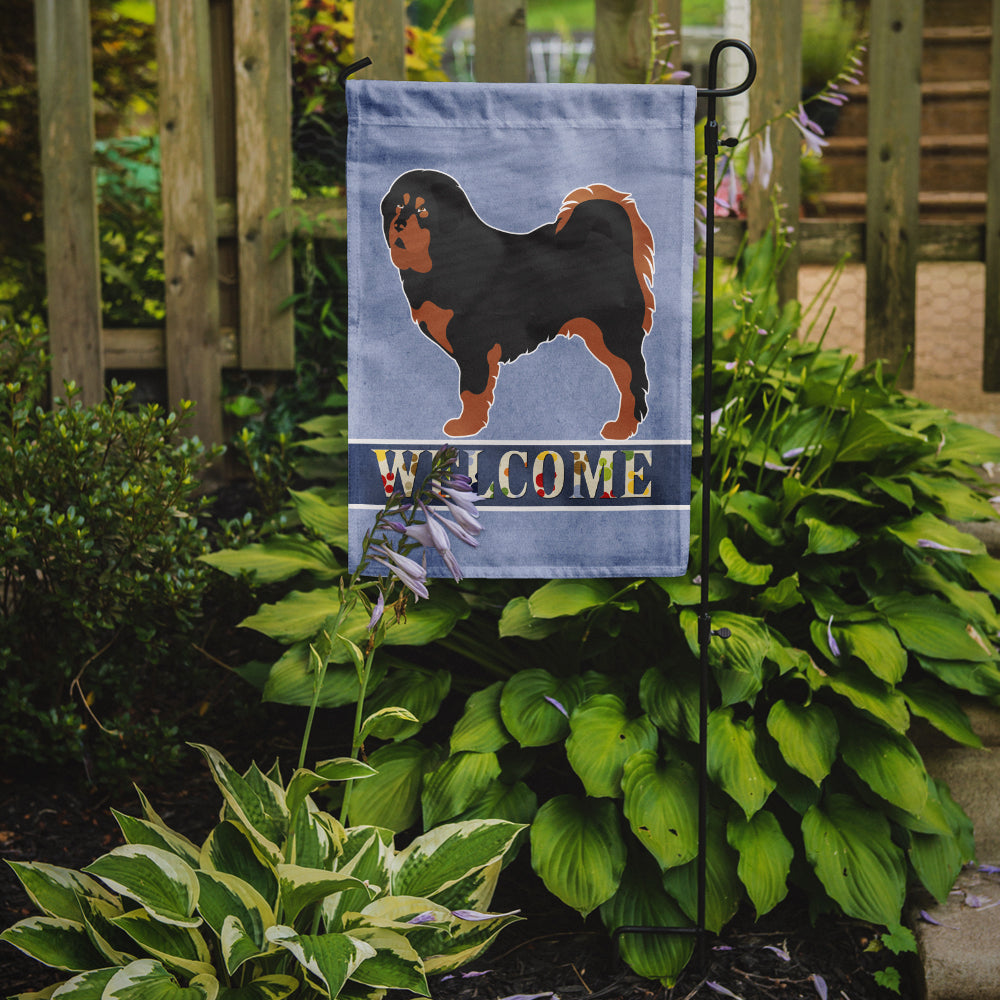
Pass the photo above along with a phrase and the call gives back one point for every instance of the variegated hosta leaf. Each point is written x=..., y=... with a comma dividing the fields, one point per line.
x=481, y=727
x=456, y=784
x=300, y=887
x=367, y=853
x=116, y=947
x=141, y=831
x=888, y=763
x=256, y=801
x=642, y=902
x=274, y=987
x=315, y=838
x=441, y=857
x=417, y=690
x=535, y=706
x=158, y=880
x=225, y=897
x=86, y=986
x=304, y=782
x=177, y=947
x=661, y=799
x=850, y=847
x=147, y=979
x=807, y=736
x=54, y=941
x=476, y=890
x=395, y=964
x=602, y=737
x=723, y=889
x=765, y=858
x=732, y=760
x=230, y=849
x=466, y=941
x=329, y=959
x=56, y=891
x=578, y=851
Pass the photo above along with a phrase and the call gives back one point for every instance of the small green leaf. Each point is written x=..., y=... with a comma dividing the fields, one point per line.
x=391, y=798
x=535, y=706
x=888, y=763
x=670, y=698
x=765, y=858
x=732, y=760
x=481, y=727
x=739, y=569
x=828, y=539
x=279, y=558
x=807, y=736
x=559, y=598
x=456, y=784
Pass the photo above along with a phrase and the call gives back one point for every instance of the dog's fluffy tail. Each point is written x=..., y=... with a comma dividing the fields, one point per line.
x=642, y=238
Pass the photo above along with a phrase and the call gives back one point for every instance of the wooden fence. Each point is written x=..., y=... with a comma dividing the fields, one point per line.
x=226, y=160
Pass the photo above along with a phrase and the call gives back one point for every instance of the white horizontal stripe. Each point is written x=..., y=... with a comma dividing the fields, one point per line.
x=464, y=445
x=505, y=509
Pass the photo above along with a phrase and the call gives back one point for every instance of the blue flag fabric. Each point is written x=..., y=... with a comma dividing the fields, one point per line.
x=520, y=261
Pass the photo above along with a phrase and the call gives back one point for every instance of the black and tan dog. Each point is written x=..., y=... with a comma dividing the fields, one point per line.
x=486, y=296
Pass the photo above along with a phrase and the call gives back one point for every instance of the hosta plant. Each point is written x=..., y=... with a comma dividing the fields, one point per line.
x=279, y=900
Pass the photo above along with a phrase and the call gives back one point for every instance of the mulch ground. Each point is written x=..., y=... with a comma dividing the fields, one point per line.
x=551, y=952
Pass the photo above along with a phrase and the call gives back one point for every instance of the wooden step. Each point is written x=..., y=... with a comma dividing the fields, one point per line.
x=956, y=53
x=957, y=206
x=947, y=162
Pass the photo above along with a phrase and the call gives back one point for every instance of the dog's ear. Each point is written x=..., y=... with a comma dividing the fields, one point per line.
x=451, y=204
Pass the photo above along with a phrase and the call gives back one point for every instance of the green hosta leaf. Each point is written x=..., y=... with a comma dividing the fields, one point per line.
x=937, y=859
x=976, y=605
x=226, y=898
x=957, y=501
x=415, y=689
x=976, y=678
x=141, y=831
x=517, y=620
x=275, y=987
x=147, y=979
x=850, y=847
x=301, y=887
x=641, y=901
x=481, y=728
x=395, y=964
x=783, y=595
x=438, y=859
x=391, y=798
x=456, y=784
x=330, y=959
x=865, y=692
x=327, y=520
x=986, y=572
x=180, y=948
x=941, y=709
x=732, y=760
x=876, y=646
x=758, y=511
x=828, y=539
x=304, y=782
x=965, y=443
x=54, y=941
x=928, y=528
x=602, y=738
x=291, y=680
x=671, y=699
x=530, y=706
x=56, y=891
x=765, y=858
x=578, y=851
x=98, y=916
x=888, y=763
x=260, y=809
x=723, y=889
x=739, y=569
x=230, y=849
x=279, y=558
x=683, y=591
x=807, y=736
x=661, y=798
x=893, y=488
x=86, y=986
x=559, y=598
x=738, y=661
x=159, y=881
x=387, y=723
x=931, y=628
x=870, y=435
x=515, y=803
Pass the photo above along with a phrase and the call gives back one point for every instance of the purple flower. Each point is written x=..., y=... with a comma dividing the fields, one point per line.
x=761, y=162
x=811, y=132
x=719, y=988
x=820, y=983
x=427, y=917
x=409, y=572
x=475, y=915
x=780, y=952
x=927, y=543
x=834, y=648
x=558, y=705
x=377, y=612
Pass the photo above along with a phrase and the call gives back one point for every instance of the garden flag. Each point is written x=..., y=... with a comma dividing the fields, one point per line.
x=520, y=262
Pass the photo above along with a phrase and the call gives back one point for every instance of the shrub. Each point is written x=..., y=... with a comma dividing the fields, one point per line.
x=280, y=899
x=854, y=604
x=99, y=539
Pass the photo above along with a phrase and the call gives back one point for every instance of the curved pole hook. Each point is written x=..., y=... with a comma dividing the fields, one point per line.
x=713, y=69
x=353, y=68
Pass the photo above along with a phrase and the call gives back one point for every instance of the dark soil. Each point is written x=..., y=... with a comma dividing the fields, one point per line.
x=551, y=952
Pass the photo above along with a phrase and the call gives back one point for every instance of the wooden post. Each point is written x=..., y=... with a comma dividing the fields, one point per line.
x=501, y=55
x=262, y=61
x=776, y=35
x=72, y=256
x=621, y=40
x=190, y=254
x=991, y=333
x=380, y=34
x=893, y=184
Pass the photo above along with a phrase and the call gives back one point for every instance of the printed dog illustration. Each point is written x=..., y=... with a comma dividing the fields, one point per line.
x=486, y=296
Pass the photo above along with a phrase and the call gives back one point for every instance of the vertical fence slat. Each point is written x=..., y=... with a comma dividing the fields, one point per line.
x=380, y=34
x=501, y=38
x=621, y=40
x=261, y=57
x=190, y=253
x=892, y=215
x=776, y=35
x=991, y=332
x=72, y=257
